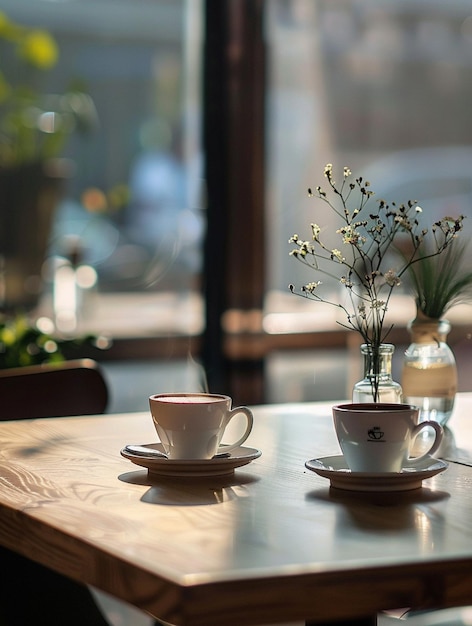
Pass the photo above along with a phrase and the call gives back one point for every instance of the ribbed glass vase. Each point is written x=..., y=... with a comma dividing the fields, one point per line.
x=377, y=384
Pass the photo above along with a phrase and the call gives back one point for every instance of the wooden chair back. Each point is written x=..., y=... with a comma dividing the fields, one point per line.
x=75, y=387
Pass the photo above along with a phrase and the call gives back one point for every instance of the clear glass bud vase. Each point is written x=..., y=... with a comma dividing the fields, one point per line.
x=429, y=376
x=377, y=384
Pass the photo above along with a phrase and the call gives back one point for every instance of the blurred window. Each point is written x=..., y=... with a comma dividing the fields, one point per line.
x=383, y=88
x=132, y=206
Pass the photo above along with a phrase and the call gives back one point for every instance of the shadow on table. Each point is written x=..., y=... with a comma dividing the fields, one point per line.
x=191, y=491
x=368, y=509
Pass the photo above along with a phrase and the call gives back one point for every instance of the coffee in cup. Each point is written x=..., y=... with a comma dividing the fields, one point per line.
x=379, y=437
x=192, y=425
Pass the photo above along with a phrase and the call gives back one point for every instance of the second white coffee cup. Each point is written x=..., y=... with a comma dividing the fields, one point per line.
x=379, y=437
x=192, y=425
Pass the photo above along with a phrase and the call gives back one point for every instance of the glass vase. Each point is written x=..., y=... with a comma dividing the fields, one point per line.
x=377, y=384
x=429, y=375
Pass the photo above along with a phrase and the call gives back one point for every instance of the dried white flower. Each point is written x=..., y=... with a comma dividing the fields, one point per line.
x=368, y=233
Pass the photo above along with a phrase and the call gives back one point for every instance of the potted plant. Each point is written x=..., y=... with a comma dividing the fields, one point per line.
x=24, y=342
x=34, y=127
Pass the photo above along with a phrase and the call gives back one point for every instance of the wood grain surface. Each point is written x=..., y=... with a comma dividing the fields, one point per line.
x=270, y=543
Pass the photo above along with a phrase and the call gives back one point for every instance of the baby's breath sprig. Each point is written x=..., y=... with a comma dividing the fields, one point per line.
x=366, y=235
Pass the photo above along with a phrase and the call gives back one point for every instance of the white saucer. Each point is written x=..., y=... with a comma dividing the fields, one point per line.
x=206, y=467
x=336, y=470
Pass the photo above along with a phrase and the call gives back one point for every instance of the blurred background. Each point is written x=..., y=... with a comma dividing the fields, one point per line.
x=193, y=135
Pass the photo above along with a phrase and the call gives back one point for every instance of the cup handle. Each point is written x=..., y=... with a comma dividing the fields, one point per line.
x=250, y=421
x=439, y=432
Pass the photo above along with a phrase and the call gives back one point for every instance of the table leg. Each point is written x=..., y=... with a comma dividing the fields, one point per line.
x=360, y=621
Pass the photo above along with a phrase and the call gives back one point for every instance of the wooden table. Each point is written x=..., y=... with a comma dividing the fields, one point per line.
x=272, y=543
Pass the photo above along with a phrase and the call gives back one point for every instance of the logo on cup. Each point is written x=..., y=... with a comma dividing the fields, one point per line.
x=375, y=433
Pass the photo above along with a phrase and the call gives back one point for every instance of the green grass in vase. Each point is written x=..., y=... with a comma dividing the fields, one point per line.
x=441, y=282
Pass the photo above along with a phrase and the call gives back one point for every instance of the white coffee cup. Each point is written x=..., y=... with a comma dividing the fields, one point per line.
x=192, y=425
x=379, y=437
